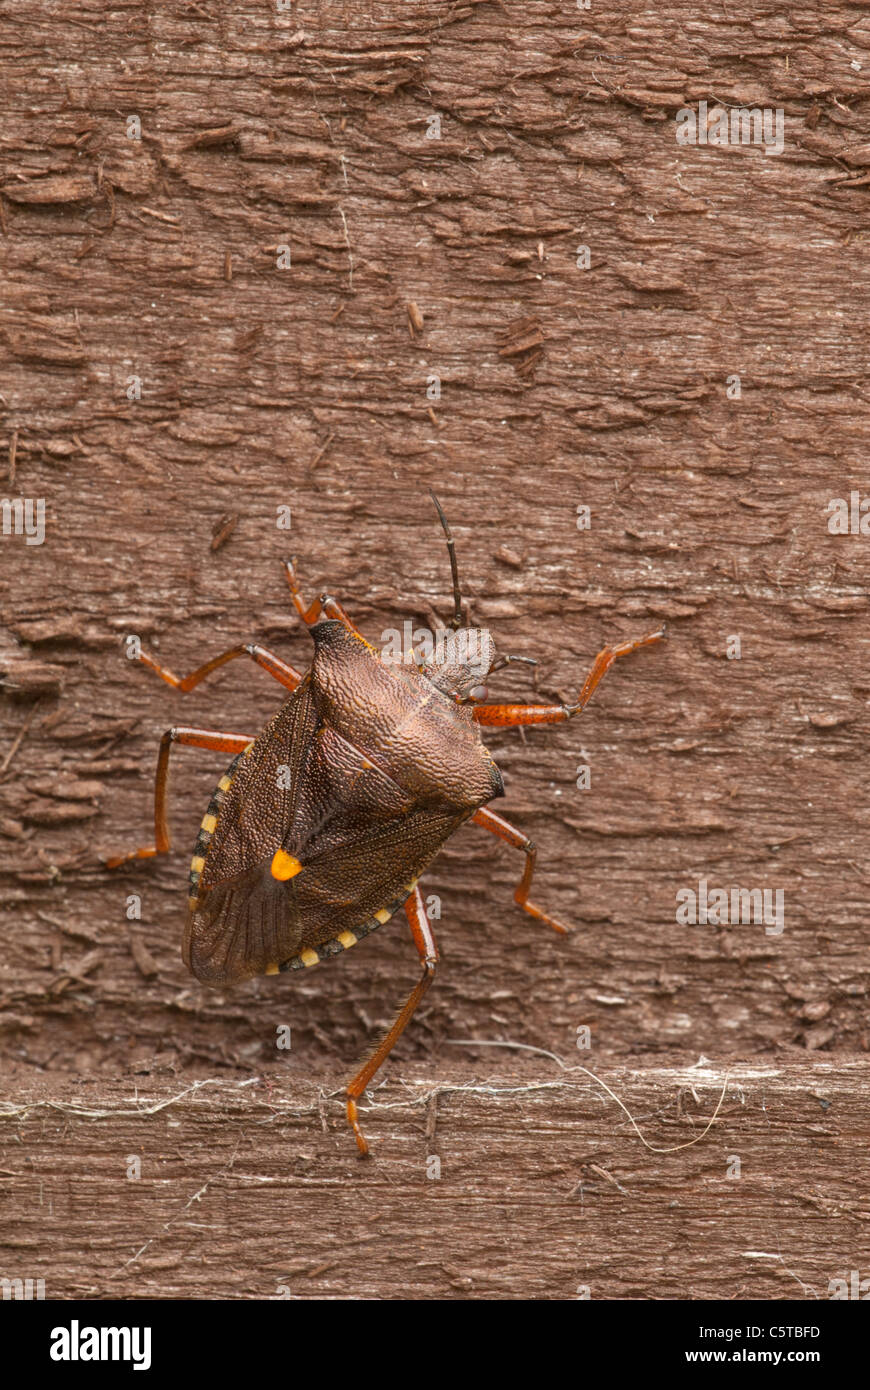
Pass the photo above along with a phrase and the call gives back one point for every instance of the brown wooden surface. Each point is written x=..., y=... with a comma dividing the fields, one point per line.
x=545, y=1190
x=560, y=387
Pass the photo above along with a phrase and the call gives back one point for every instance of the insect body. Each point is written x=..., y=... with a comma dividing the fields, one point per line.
x=320, y=828
x=332, y=814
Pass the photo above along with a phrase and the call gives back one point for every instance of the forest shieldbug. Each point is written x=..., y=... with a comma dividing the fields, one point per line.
x=322, y=825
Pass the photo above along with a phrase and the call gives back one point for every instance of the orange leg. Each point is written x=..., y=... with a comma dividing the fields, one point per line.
x=194, y=738
x=325, y=604
x=554, y=714
x=497, y=825
x=428, y=953
x=268, y=660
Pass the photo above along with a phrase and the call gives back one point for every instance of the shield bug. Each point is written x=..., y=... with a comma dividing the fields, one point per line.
x=321, y=826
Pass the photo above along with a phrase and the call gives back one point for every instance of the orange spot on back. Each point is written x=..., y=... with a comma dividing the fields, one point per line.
x=284, y=866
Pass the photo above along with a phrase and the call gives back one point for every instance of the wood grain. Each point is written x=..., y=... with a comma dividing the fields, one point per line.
x=560, y=388
x=544, y=1190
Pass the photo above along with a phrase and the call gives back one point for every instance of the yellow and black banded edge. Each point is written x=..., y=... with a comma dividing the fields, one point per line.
x=207, y=827
x=343, y=942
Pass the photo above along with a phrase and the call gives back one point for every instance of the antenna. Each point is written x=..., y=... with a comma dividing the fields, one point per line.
x=456, y=620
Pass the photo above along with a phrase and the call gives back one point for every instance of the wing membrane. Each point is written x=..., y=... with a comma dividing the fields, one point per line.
x=361, y=840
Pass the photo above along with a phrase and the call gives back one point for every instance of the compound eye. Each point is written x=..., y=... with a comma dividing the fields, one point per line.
x=478, y=692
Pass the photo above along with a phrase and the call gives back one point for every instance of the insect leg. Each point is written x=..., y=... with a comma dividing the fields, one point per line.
x=268, y=660
x=554, y=714
x=325, y=604
x=428, y=953
x=195, y=738
x=497, y=825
